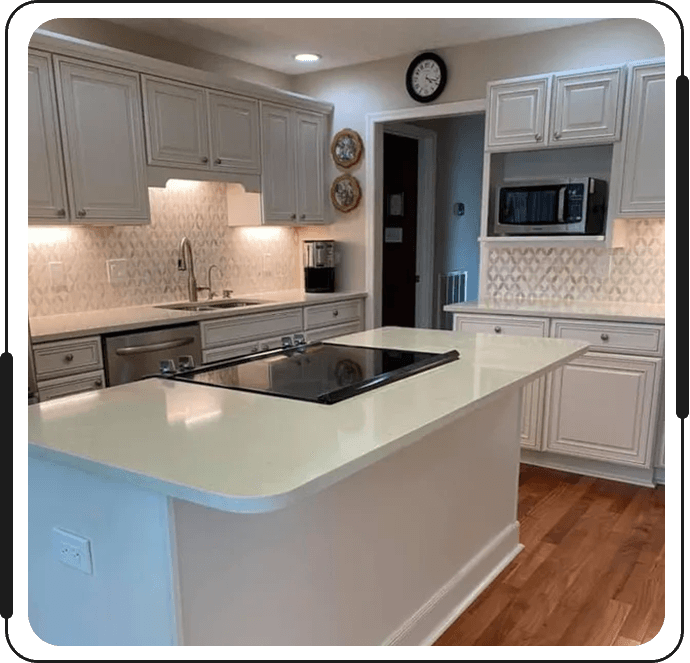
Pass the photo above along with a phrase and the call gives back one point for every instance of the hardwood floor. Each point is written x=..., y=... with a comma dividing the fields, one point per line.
x=591, y=573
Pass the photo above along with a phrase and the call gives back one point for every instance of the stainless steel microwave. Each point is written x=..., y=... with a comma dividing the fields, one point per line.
x=565, y=207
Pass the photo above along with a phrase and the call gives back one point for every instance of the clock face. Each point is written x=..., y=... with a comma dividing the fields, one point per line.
x=426, y=77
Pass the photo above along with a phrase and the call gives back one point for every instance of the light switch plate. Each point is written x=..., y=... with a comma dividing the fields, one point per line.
x=57, y=274
x=72, y=550
x=117, y=271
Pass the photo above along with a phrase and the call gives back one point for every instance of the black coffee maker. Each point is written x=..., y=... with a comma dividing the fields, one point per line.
x=319, y=265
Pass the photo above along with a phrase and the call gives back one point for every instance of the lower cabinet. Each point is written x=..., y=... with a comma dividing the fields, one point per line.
x=72, y=384
x=601, y=407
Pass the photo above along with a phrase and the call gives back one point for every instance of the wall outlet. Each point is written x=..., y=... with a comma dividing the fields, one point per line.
x=266, y=264
x=117, y=271
x=72, y=550
x=57, y=275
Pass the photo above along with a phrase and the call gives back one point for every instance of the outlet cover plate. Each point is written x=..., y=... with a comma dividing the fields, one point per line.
x=72, y=550
x=117, y=271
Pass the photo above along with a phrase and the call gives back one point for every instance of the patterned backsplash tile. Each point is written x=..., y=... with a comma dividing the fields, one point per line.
x=631, y=274
x=250, y=259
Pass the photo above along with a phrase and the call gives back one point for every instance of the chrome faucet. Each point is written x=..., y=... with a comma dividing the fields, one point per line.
x=185, y=262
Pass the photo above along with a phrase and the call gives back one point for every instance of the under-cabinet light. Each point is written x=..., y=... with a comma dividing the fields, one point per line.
x=307, y=57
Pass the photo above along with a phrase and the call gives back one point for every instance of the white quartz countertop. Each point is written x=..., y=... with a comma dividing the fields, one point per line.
x=104, y=321
x=564, y=308
x=245, y=452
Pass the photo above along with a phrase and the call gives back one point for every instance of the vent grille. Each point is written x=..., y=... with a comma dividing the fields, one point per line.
x=452, y=289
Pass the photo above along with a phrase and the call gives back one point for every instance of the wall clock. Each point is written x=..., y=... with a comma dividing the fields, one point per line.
x=426, y=77
x=346, y=148
x=345, y=193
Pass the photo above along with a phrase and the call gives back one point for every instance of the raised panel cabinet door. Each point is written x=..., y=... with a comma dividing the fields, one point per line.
x=643, y=159
x=517, y=113
x=310, y=167
x=176, y=124
x=234, y=133
x=47, y=187
x=587, y=107
x=604, y=407
x=103, y=141
x=279, y=165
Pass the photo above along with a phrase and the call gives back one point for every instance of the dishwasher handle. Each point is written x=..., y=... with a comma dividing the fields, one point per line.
x=152, y=347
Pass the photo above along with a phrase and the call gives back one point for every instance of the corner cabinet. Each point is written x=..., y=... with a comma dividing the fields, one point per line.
x=293, y=183
x=81, y=169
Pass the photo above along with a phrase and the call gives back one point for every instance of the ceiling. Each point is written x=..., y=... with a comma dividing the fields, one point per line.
x=272, y=42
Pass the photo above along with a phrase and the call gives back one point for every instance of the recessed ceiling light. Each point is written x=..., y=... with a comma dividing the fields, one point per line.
x=307, y=57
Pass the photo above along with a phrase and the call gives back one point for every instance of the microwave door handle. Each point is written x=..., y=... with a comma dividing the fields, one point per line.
x=561, y=204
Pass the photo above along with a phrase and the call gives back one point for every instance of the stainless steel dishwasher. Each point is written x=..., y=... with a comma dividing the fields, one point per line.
x=129, y=357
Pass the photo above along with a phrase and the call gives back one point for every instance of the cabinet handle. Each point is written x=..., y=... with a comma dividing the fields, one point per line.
x=204, y=159
x=335, y=313
x=604, y=337
x=219, y=161
x=497, y=329
x=81, y=212
x=69, y=357
x=537, y=136
x=61, y=212
x=99, y=382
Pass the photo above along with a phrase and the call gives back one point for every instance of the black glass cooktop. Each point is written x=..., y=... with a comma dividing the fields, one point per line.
x=318, y=372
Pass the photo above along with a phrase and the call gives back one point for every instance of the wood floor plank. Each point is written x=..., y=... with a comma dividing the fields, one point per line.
x=620, y=640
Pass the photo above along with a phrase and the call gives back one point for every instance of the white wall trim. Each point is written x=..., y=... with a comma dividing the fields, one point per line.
x=373, y=208
x=426, y=217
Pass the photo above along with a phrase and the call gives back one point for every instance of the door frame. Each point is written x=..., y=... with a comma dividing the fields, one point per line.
x=373, y=207
x=426, y=217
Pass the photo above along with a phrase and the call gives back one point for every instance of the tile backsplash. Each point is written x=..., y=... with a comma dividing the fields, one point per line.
x=634, y=273
x=68, y=266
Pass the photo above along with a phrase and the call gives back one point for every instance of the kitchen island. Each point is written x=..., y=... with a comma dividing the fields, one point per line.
x=222, y=517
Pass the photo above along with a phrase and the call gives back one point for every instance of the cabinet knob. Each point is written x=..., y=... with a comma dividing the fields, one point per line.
x=557, y=135
x=537, y=136
x=218, y=161
x=293, y=216
x=302, y=216
x=604, y=337
x=81, y=212
x=497, y=329
x=335, y=313
x=99, y=382
x=61, y=212
x=264, y=347
x=69, y=357
x=204, y=159
x=255, y=348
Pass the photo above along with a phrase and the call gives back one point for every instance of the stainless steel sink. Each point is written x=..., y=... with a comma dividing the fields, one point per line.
x=209, y=306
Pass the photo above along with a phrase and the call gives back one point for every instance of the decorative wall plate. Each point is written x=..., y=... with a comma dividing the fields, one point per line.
x=346, y=148
x=345, y=193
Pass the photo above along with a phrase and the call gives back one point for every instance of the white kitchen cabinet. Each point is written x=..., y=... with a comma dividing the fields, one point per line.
x=103, y=142
x=587, y=107
x=47, y=186
x=72, y=384
x=293, y=144
x=234, y=133
x=517, y=112
x=643, y=178
x=601, y=407
x=176, y=124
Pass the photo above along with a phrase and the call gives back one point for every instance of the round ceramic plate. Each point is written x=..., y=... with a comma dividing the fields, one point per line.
x=346, y=148
x=345, y=193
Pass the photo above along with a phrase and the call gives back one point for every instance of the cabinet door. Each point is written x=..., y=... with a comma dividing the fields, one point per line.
x=47, y=188
x=643, y=157
x=517, y=113
x=103, y=141
x=587, y=107
x=310, y=177
x=279, y=190
x=176, y=124
x=603, y=407
x=234, y=133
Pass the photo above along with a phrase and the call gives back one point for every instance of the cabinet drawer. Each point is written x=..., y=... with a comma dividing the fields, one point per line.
x=240, y=350
x=68, y=357
x=325, y=315
x=507, y=325
x=331, y=332
x=73, y=384
x=247, y=328
x=612, y=337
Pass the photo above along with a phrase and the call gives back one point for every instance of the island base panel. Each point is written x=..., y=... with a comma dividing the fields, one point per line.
x=389, y=555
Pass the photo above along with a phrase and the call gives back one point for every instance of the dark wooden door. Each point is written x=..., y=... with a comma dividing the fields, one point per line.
x=399, y=230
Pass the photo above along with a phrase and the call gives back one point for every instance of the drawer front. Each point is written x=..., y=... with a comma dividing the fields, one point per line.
x=247, y=328
x=241, y=349
x=331, y=332
x=326, y=315
x=506, y=325
x=68, y=357
x=73, y=384
x=613, y=337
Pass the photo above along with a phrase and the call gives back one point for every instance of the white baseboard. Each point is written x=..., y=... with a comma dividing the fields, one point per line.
x=444, y=607
x=638, y=476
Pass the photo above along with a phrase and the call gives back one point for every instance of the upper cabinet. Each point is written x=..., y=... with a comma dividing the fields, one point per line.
x=82, y=169
x=642, y=189
x=575, y=108
x=192, y=127
x=517, y=113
